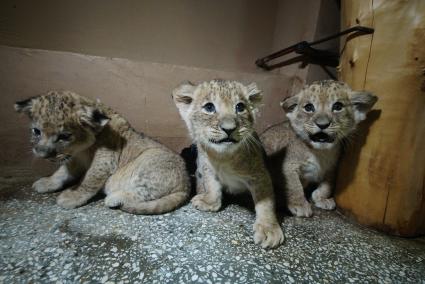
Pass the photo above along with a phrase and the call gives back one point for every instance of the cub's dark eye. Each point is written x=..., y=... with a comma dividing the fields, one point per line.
x=240, y=107
x=309, y=108
x=64, y=137
x=209, y=107
x=337, y=106
x=36, y=132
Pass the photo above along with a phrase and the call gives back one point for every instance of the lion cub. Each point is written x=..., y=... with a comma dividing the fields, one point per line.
x=219, y=116
x=321, y=116
x=96, y=147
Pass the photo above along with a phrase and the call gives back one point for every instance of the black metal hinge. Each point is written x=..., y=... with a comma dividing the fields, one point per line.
x=310, y=55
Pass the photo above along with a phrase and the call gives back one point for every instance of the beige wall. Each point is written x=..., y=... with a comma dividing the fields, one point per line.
x=219, y=34
x=307, y=20
x=295, y=21
x=328, y=23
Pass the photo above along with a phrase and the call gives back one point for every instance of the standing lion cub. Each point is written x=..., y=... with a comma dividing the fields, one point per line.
x=97, y=148
x=307, y=147
x=219, y=116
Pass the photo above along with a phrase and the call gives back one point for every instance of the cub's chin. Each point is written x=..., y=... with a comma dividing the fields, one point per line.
x=58, y=159
x=322, y=141
x=223, y=145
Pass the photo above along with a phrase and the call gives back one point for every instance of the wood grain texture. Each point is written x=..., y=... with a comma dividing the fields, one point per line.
x=381, y=176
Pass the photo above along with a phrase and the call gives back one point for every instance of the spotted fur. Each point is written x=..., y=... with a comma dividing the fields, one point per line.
x=97, y=148
x=220, y=115
x=306, y=148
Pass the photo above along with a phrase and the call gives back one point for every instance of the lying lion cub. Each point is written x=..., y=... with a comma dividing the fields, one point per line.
x=219, y=116
x=321, y=116
x=96, y=147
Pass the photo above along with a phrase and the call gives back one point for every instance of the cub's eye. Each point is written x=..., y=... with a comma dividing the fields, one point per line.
x=337, y=106
x=64, y=137
x=309, y=107
x=209, y=107
x=240, y=107
x=35, y=131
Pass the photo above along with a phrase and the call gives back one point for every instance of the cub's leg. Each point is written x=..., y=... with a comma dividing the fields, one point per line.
x=267, y=230
x=208, y=188
x=297, y=203
x=67, y=174
x=155, y=182
x=321, y=196
x=94, y=179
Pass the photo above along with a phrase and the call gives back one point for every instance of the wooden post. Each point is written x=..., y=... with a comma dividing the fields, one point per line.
x=381, y=180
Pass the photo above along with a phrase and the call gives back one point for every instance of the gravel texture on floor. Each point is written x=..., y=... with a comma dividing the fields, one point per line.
x=42, y=243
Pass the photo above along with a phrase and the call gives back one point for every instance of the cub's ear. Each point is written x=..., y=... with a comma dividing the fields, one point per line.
x=298, y=85
x=362, y=103
x=94, y=118
x=255, y=95
x=290, y=103
x=24, y=106
x=183, y=97
x=183, y=94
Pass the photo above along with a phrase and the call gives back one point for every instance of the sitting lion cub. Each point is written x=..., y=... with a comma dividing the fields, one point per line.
x=219, y=116
x=96, y=147
x=321, y=116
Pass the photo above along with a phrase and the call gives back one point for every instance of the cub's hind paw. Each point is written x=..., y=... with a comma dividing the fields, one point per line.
x=327, y=204
x=204, y=202
x=301, y=210
x=268, y=235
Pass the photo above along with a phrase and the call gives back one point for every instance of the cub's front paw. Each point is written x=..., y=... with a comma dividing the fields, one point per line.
x=327, y=204
x=44, y=185
x=204, y=202
x=114, y=200
x=70, y=199
x=302, y=209
x=268, y=235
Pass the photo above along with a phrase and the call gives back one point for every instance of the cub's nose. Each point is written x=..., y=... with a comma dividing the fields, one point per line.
x=228, y=125
x=322, y=122
x=323, y=126
x=228, y=131
x=44, y=152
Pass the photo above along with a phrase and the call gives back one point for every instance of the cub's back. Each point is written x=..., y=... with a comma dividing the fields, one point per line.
x=277, y=137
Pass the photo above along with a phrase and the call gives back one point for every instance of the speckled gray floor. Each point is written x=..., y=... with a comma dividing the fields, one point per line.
x=42, y=243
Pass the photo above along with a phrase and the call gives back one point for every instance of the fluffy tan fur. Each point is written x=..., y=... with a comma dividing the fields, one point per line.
x=97, y=148
x=219, y=116
x=304, y=150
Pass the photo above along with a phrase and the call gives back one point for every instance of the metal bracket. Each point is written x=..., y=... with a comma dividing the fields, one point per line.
x=310, y=55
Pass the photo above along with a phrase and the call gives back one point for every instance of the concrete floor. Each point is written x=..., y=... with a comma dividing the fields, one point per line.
x=42, y=243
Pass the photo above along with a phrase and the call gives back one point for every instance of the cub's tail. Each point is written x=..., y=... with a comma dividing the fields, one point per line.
x=132, y=204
